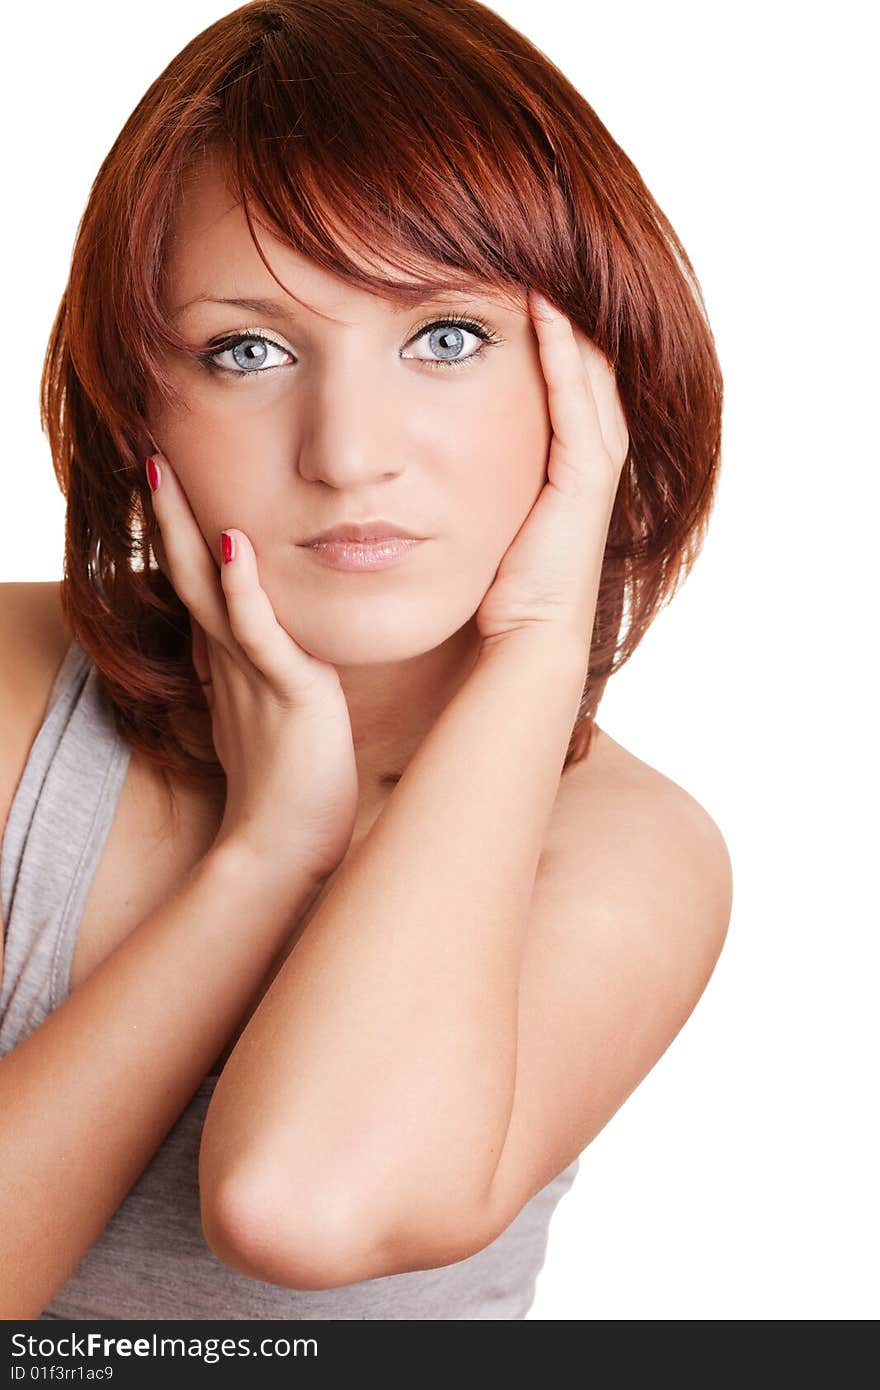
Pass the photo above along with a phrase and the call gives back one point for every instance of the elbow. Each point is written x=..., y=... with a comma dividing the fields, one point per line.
x=325, y=1242
x=315, y=1243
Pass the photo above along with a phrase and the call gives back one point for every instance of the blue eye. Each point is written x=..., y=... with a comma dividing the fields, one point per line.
x=445, y=337
x=255, y=359
x=251, y=350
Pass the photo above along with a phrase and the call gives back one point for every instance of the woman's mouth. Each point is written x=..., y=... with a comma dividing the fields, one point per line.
x=362, y=555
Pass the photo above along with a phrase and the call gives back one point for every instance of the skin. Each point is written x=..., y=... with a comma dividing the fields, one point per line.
x=352, y=424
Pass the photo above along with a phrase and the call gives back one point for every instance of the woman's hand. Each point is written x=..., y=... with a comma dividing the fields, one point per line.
x=549, y=575
x=279, y=717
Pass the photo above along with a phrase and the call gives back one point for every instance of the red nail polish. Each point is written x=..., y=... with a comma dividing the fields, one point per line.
x=228, y=546
x=153, y=475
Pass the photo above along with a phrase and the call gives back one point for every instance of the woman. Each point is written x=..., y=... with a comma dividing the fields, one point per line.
x=425, y=922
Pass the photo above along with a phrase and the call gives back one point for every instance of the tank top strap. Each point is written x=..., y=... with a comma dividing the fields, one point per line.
x=58, y=823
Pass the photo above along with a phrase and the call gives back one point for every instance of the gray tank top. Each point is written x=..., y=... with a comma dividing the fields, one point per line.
x=151, y=1260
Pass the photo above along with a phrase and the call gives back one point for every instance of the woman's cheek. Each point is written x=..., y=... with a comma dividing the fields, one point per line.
x=511, y=451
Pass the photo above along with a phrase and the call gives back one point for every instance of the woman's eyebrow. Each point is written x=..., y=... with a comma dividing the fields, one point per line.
x=277, y=309
x=255, y=306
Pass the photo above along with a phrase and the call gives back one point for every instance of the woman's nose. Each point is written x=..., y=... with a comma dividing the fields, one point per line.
x=351, y=430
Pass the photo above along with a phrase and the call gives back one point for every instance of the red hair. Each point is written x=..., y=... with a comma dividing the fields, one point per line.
x=443, y=141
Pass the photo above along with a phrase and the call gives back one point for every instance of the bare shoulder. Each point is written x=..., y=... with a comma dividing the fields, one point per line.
x=33, y=640
x=642, y=839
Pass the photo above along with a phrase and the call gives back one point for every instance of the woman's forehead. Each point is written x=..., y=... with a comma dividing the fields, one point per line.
x=210, y=253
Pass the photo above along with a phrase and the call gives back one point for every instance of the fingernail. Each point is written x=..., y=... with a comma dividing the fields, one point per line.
x=154, y=477
x=228, y=545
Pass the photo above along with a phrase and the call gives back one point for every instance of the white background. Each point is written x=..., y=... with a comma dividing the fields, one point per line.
x=737, y=1181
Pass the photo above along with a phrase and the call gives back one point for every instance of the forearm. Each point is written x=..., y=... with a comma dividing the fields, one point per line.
x=88, y=1097
x=379, y=1070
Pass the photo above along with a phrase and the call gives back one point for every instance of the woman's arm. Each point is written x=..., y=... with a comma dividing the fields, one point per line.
x=373, y=1086
x=87, y=1098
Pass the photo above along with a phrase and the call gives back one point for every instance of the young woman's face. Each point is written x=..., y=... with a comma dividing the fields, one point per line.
x=344, y=418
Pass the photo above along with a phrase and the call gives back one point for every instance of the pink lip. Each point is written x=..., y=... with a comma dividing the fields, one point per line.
x=376, y=529
x=363, y=555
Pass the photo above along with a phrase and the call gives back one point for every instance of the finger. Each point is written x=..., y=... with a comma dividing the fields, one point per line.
x=603, y=377
x=252, y=618
x=191, y=566
x=573, y=411
x=200, y=659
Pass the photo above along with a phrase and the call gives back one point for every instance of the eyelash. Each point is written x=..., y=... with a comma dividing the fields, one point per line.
x=476, y=326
